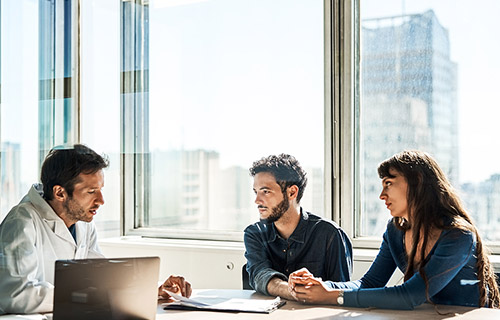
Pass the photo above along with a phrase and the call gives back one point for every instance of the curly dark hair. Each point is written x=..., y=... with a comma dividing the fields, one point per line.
x=285, y=169
x=431, y=201
x=63, y=165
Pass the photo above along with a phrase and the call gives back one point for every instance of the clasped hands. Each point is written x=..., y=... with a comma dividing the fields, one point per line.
x=306, y=288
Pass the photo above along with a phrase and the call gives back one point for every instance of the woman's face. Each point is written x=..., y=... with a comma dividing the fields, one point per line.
x=394, y=194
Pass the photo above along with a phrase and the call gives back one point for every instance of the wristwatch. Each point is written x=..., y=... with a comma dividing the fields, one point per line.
x=340, y=298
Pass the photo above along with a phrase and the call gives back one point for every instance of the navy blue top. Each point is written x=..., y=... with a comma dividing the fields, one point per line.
x=451, y=272
x=317, y=244
x=72, y=230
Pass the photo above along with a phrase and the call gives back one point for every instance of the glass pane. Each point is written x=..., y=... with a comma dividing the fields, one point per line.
x=429, y=72
x=100, y=100
x=231, y=82
x=19, y=100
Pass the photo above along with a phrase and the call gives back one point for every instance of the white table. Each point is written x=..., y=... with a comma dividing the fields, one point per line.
x=298, y=311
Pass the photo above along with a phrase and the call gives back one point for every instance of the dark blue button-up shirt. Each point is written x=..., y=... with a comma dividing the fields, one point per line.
x=316, y=244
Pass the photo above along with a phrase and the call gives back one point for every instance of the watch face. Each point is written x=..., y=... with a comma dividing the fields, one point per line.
x=340, y=300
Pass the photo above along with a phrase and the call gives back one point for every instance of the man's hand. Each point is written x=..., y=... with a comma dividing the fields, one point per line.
x=175, y=284
x=278, y=287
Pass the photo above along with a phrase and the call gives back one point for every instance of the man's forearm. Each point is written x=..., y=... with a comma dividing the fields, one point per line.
x=278, y=287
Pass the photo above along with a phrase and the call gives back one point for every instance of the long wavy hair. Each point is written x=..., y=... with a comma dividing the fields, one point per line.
x=431, y=202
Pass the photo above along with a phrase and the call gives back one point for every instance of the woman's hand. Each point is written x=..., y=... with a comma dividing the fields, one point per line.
x=305, y=288
x=316, y=292
x=300, y=277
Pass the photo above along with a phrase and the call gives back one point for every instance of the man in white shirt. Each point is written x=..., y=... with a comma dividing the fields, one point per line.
x=52, y=222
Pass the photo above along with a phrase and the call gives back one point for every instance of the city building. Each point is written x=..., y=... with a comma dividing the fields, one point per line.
x=409, y=100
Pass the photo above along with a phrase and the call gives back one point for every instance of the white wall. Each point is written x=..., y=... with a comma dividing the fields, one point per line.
x=206, y=264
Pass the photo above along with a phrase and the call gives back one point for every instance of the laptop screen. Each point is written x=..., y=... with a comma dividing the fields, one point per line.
x=120, y=288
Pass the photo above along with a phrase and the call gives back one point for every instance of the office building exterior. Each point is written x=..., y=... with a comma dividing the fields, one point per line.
x=408, y=101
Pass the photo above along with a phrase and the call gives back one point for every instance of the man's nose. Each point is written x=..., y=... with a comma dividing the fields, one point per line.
x=100, y=198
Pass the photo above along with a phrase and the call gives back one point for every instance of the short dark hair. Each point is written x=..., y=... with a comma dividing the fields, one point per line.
x=285, y=169
x=62, y=165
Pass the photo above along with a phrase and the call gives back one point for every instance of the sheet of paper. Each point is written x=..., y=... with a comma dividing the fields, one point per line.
x=219, y=303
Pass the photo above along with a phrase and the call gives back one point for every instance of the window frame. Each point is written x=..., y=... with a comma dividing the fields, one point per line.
x=342, y=199
x=134, y=147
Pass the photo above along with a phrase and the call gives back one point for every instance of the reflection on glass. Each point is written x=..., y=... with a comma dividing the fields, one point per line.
x=100, y=100
x=414, y=91
x=19, y=100
x=231, y=82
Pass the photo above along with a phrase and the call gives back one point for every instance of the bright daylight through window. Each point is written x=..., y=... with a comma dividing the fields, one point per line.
x=429, y=71
x=230, y=82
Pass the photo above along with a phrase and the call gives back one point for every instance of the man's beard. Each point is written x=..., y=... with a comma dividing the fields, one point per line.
x=279, y=210
x=75, y=211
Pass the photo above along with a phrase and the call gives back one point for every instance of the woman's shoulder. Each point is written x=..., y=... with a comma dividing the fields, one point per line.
x=456, y=234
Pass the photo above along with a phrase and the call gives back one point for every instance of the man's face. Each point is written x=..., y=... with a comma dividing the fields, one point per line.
x=87, y=197
x=269, y=198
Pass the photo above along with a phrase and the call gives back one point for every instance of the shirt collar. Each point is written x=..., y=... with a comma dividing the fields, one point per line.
x=298, y=235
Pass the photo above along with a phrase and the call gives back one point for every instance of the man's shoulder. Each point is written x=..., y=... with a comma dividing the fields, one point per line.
x=22, y=211
x=258, y=227
x=19, y=221
x=320, y=222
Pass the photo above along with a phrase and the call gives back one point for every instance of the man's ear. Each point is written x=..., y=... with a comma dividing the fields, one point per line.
x=293, y=192
x=59, y=193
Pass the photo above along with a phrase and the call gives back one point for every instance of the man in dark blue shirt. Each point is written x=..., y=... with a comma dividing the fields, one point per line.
x=288, y=238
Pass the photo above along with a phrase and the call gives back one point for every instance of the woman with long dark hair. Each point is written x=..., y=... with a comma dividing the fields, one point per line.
x=430, y=238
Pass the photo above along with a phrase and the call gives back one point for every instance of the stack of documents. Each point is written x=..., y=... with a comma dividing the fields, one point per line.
x=214, y=303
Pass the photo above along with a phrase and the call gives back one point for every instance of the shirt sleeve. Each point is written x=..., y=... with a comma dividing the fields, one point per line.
x=451, y=254
x=259, y=266
x=339, y=251
x=20, y=289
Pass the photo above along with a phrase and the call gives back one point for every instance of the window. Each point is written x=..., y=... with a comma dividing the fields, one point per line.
x=218, y=85
x=100, y=100
x=184, y=95
x=19, y=100
x=427, y=81
x=39, y=90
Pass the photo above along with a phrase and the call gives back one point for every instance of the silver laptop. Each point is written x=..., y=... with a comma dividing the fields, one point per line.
x=120, y=288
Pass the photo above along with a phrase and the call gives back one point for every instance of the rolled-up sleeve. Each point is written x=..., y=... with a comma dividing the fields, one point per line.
x=259, y=265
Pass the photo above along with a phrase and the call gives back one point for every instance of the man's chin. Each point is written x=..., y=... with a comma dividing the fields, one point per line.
x=88, y=219
x=269, y=219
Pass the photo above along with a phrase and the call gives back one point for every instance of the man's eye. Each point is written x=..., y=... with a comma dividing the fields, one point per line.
x=91, y=191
